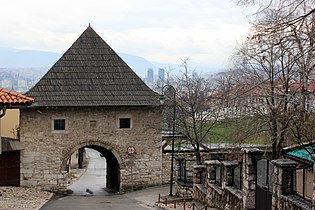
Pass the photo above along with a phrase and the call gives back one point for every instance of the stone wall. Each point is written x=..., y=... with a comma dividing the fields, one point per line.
x=282, y=195
x=43, y=160
x=228, y=198
x=199, y=193
x=166, y=168
x=197, y=189
x=222, y=194
x=249, y=175
x=184, y=191
x=293, y=202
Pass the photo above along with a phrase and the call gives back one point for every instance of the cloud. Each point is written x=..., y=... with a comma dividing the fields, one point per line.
x=160, y=30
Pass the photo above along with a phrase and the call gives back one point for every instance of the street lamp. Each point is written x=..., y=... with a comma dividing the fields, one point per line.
x=162, y=100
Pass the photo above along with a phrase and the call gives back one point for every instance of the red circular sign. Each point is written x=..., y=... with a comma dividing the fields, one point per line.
x=131, y=150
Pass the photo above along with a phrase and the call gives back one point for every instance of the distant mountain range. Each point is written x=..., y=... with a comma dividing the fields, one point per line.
x=43, y=61
x=13, y=58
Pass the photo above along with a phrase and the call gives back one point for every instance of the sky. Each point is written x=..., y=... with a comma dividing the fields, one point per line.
x=165, y=31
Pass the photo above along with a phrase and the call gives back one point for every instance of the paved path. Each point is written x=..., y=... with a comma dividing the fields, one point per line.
x=94, y=178
x=137, y=200
x=149, y=196
x=115, y=202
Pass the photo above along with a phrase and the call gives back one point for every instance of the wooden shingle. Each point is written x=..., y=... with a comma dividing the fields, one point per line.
x=90, y=73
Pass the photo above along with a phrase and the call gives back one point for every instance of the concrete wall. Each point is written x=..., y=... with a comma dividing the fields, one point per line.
x=45, y=154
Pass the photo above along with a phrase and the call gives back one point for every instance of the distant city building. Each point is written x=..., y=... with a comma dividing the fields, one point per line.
x=22, y=83
x=161, y=74
x=6, y=84
x=150, y=79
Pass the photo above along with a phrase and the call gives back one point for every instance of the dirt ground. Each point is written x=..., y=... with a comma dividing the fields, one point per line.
x=18, y=198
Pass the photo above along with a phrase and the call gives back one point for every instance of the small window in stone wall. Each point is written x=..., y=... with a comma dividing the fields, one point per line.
x=59, y=124
x=124, y=123
x=93, y=124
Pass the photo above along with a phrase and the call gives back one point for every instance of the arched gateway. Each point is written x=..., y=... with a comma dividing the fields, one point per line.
x=113, y=159
x=91, y=98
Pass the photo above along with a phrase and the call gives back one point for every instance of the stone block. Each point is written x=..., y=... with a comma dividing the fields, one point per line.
x=43, y=182
x=61, y=176
x=49, y=176
x=29, y=183
x=27, y=159
x=26, y=176
x=27, y=170
x=53, y=182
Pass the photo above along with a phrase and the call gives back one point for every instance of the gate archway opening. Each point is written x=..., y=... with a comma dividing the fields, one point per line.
x=98, y=170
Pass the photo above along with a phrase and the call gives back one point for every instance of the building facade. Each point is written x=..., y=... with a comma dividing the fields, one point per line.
x=150, y=76
x=91, y=99
x=10, y=147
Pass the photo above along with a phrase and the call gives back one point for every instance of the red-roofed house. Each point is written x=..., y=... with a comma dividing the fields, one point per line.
x=10, y=102
x=245, y=100
x=239, y=101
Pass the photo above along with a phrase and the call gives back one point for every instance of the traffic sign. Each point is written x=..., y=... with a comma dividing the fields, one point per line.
x=131, y=150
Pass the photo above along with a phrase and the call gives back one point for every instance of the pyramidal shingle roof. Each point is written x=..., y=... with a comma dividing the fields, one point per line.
x=90, y=73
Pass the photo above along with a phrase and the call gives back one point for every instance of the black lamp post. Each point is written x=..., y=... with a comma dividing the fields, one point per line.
x=162, y=100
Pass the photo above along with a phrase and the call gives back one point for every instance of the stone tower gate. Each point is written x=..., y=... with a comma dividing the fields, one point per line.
x=91, y=98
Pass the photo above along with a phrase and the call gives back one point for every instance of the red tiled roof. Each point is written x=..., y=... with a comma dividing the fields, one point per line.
x=8, y=97
x=240, y=90
x=297, y=87
x=244, y=90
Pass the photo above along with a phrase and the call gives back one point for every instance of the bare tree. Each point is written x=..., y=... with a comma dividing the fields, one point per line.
x=194, y=116
x=292, y=11
x=277, y=55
